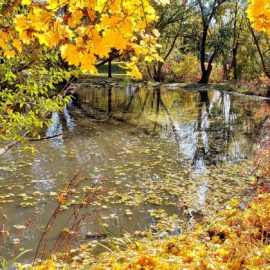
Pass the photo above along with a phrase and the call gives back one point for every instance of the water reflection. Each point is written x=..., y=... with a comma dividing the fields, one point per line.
x=206, y=126
x=56, y=126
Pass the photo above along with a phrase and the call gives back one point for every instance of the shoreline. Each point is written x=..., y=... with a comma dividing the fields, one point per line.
x=121, y=81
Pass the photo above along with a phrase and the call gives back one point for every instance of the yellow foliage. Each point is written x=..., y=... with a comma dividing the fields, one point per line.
x=48, y=265
x=26, y=2
x=236, y=239
x=9, y=54
x=17, y=44
x=86, y=31
x=259, y=14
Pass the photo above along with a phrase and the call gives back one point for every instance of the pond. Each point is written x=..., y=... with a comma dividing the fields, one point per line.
x=163, y=158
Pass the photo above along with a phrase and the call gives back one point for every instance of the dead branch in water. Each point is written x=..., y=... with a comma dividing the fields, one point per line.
x=43, y=138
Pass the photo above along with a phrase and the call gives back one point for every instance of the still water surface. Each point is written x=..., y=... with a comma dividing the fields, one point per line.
x=179, y=150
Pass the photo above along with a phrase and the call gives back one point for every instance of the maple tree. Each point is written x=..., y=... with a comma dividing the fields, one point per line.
x=84, y=31
x=36, y=37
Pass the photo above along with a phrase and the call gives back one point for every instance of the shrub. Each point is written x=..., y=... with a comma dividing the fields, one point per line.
x=187, y=69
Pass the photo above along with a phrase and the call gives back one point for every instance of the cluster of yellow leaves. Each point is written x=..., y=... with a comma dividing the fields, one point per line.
x=259, y=14
x=237, y=239
x=84, y=31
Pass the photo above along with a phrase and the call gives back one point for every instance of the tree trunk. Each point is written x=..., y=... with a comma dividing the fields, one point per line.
x=236, y=36
x=205, y=74
x=206, y=21
x=268, y=92
x=234, y=63
x=157, y=72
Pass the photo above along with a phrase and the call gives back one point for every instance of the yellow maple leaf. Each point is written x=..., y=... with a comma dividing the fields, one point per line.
x=87, y=63
x=91, y=14
x=50, y=38
x=26, y=2
x=17, y=44
x=3, y=40
x=70, y=53
x=9, y=54
x=52, y=4
x=75, y=17
x=20, y=23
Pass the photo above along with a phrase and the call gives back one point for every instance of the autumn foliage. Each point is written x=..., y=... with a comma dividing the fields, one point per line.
x=83, y=31
x=259, y=14
x=237, y=239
